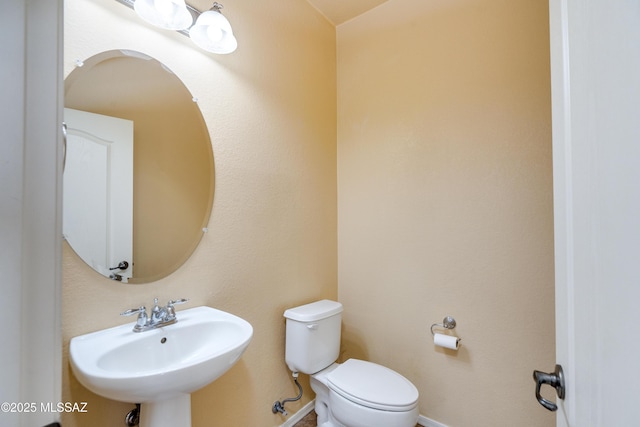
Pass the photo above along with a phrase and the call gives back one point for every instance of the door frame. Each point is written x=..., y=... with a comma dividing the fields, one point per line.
x=562, y=200
x=31, y=226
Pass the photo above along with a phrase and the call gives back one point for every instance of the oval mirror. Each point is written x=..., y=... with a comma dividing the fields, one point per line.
x=138, y=173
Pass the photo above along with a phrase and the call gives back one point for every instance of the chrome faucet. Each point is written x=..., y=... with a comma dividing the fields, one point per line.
x=160, y=316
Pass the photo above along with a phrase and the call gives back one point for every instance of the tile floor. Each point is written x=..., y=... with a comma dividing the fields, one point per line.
x=310, y=421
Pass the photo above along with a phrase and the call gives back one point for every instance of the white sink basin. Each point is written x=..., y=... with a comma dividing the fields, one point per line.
x=163, y=365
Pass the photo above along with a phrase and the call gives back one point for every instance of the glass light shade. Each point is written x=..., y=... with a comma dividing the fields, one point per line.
x=212, y=32
x=167, y=14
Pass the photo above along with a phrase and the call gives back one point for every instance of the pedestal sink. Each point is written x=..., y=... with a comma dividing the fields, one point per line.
x=160, y=368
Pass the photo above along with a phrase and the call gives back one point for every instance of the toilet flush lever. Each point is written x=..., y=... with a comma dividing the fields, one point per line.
x=554, y=379
x=312, y=326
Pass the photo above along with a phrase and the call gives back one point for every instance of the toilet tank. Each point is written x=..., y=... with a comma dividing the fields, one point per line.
x=313, y=336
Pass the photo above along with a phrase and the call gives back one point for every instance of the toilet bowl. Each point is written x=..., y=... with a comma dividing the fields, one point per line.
x=363, y=394
x=355, y=393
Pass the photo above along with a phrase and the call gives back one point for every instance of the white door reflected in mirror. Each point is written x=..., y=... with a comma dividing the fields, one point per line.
x=98, y=191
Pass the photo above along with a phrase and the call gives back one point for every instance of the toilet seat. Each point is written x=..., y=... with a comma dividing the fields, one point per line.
x=374, y=386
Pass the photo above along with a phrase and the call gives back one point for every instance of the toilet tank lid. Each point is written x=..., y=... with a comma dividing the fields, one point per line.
x=314, y=311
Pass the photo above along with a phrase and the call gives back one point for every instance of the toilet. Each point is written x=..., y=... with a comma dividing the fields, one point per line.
x=355, y=393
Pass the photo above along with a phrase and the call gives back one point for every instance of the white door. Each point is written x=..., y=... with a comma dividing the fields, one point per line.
x=595, y=63
x=98, y=191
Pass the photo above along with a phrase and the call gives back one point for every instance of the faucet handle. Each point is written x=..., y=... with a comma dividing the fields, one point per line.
x=142, y=317
x=142, y=310
x=171, y=312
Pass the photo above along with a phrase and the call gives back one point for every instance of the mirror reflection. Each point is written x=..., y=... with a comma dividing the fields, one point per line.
x=138, y=178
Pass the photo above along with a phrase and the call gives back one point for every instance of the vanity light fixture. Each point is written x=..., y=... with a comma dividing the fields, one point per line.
x=211, y=31
x=167, y=14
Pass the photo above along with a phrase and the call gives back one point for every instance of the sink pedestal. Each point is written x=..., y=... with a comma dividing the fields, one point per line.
x=172, y=412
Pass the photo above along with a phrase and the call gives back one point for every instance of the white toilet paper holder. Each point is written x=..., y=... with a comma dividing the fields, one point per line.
x=447, y=323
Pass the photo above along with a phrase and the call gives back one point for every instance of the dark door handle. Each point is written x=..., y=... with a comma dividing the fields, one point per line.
x=555, y=380
x=122, y=266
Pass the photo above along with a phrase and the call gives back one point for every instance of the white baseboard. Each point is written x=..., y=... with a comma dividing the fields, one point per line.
x=428, y=422
x=302, y=412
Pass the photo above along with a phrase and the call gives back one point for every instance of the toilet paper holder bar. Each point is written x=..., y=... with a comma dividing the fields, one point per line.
x=447, y=323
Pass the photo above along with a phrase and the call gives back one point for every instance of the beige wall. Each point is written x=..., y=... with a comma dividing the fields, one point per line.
x=445, y=201
x=271, y=112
